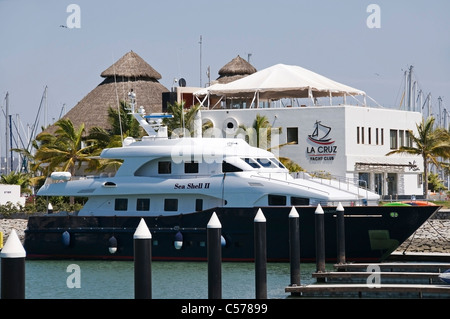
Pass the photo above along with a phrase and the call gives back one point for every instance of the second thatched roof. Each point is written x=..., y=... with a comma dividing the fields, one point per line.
x=234, y=70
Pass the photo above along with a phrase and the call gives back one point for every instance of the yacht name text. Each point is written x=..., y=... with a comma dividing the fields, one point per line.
x=192, y=186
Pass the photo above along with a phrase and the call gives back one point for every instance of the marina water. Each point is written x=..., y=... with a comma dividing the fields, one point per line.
x=54, y=279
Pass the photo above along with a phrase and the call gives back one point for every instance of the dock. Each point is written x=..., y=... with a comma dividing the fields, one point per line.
x=378, y=280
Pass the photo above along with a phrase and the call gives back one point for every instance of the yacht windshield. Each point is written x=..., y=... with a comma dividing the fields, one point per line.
x=277, y=162
x=265, y=162
x=251, y=162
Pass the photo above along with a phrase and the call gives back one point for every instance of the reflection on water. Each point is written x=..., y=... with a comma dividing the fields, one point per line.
x=170, y=280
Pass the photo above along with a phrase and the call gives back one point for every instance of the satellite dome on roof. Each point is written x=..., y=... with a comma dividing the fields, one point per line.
x=131, y=65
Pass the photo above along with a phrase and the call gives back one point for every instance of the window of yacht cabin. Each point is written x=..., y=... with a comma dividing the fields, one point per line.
x=277, y=162
x=190, y=167
x=265, y=162
x=230, y=168
x=292, y=135
x=251, y=162
x=277, y=200
x=297, y=201
x=164, y=167
x=198, y=204
x=170, y=204
x=143, y=204
x=121, y=204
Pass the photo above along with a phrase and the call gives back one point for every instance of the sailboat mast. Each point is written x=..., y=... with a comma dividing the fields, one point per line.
x=7, y=133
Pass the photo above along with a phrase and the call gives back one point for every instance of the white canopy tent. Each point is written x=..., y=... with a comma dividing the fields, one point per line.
x=278, y=82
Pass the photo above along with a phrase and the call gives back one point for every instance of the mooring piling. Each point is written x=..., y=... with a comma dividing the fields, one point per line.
x=320, y=239
x=340, y=231
x=214, y=256
x=13, y=268
x=294, y=246
x=260, y=255
x=142, y=262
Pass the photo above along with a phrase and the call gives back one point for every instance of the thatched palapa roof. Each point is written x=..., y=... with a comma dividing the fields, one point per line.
x=131, y=65
x=235, y=70
x=129, y=72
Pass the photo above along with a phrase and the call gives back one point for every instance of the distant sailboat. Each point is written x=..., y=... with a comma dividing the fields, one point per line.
x=320, y=134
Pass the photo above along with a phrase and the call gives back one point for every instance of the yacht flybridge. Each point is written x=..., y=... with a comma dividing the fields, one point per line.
x=175, y=184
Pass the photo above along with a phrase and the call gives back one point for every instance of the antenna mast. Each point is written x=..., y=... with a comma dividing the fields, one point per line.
x=7, y=133
x=200, y=60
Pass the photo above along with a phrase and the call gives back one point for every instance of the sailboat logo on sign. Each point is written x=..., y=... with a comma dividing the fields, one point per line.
x=322, y=148
x=320, y=134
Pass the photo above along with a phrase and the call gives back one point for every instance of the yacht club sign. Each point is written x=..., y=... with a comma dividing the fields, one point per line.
x=322, y=146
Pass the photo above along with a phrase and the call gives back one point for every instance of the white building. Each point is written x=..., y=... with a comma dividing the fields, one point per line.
x=355, y=147
x=345, y=141
x=11, y=193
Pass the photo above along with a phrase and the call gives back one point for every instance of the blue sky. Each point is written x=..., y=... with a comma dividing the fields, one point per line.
x=326, y=36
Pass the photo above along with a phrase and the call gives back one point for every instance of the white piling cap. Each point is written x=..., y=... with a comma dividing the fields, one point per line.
x=293, y=213
x=339, y=207
x=319, y=209
x=260, y=218
x=214, y=222
x=13, y=247
x=142, y=231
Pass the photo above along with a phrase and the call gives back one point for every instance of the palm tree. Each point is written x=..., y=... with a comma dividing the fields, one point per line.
x=64, y=150
x=260, y=136
x=181, y=119
x=125, y=124
x=430, y=143
x=22, y=179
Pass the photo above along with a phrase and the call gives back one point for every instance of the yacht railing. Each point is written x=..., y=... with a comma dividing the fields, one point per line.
x=342, y=183
x=50, y=180
x=288, y=182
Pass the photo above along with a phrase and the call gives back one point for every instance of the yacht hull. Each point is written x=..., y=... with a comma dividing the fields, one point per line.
x=371, y=234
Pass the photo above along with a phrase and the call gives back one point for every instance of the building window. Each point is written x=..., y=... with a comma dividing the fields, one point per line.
x=164, y=167
x=143, y=204
x=292, y=135
x=198, y=204
x=357, y=135
x=170, y=204
x=409, y=139
x=191, y=167
x=369, y=133
x=277, y=200
x=376, y=136
x=394, y=141
x=401, y=138
x=121, y=204
x=382, y=136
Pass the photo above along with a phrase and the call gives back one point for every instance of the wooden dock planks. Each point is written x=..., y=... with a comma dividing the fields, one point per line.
x=394, y=280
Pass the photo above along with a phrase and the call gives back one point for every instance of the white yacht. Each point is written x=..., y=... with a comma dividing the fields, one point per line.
x=176, y=183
